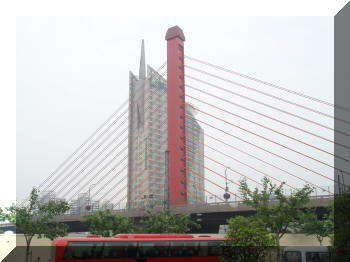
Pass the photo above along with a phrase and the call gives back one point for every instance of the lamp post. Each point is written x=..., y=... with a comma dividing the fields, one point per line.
x=226, y=195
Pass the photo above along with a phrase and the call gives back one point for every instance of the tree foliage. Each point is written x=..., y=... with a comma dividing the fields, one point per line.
x=106, y=224
x=9, y=215
x=2, y=215
x=36, y=219
x=310, y=224
x=2, y=218
x=279, y=212
x=247, y=240
x=166, y=222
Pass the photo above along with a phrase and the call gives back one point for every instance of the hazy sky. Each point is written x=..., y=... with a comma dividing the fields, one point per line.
x=72, y=73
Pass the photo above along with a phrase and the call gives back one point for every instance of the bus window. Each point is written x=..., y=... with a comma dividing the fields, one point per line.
x=83, y=250
x=317, y=256
x=292, y=256
x=211, y=248
x=184, y=248
x=118, y=249
x=154, y=249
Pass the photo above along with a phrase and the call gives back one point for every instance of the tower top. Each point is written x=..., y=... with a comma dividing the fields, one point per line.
x=142, y=70
x=173, y=32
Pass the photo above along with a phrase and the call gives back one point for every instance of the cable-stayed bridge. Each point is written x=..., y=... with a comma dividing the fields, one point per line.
x=190, y=131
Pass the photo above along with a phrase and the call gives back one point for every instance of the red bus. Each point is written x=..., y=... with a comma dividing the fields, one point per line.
x=138, y=248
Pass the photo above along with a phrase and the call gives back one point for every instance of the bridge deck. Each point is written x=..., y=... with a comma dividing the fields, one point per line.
x=236, y=206
x=210, y=216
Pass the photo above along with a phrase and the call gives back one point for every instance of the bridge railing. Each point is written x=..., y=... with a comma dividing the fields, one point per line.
x=158, y=206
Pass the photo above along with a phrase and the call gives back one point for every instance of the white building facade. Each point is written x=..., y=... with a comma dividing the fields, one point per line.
x=147, y=176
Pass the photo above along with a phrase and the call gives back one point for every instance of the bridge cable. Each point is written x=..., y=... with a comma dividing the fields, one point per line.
x=86, y=141
x=267, y=139
x=97, y=165
x=252, y=144
x=207, y=179
x=100, y=152
x=94, y=133
x=269, y=95
x=268, y=128
x=270, y=84
x=160, y=144
x=257, y=158
x=62, y=182
x=110, y=152
x=77, y=150
x=267, y=116
x=267, y=105
x=197, y=152
x=263, y=173
x=90, y=162
x=198, y=186
x=93, y=151
x=137, y=165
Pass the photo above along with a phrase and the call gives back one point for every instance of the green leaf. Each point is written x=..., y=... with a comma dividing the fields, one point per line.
x=36, y=218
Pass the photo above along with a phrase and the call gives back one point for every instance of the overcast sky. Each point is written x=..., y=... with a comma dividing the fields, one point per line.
x=72, y=73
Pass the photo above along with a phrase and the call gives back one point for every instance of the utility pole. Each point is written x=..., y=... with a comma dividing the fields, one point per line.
x=339, y=189
x=342, y=176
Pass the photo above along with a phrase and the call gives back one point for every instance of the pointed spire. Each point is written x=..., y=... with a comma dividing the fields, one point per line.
x=142, y=72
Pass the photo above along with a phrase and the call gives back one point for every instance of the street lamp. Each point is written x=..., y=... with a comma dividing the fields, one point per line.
x=226, y=195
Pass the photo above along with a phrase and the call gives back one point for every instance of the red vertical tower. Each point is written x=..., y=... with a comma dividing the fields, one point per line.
x=176, y=116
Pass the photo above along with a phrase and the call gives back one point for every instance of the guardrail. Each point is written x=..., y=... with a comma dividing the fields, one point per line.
x=205, y=207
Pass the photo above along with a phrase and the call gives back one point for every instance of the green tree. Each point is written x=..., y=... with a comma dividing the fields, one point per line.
x=278, y=211
x=9, y=215
x=2, y=218
x=36, y=219
x=2, y=215
x=106, y=224
x=247, y=240
x=166, y=222
x=310, y=224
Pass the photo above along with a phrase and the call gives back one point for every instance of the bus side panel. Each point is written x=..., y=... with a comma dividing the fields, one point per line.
x=99, y=260
x=184, y=259
x=59, y=253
